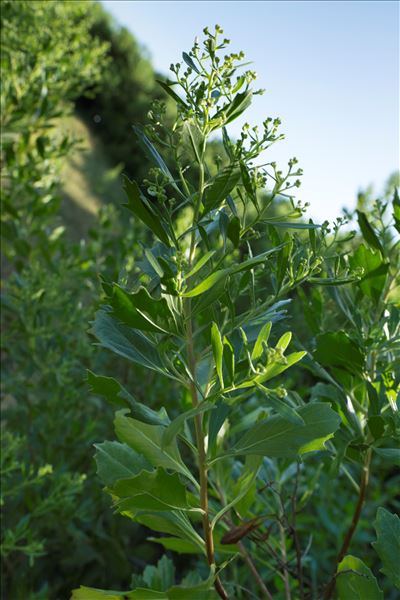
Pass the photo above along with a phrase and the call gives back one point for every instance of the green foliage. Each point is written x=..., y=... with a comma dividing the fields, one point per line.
x=212, y=288
x=203, y=312
x=387, y=527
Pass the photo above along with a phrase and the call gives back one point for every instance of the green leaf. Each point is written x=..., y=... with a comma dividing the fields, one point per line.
x=161, y=576
x=141, y=311
x=373, y=281
x=174, y=522
x=291, y=224
x=127, y=342
x=276, y=368
x=279, y=438
x=217, y=348
x=188, y=60
x=177, y=424
x=215, y=423
x=336, y=349
x=141, y=209
x=152, y=153
x=396, y=209
x=283, y=260
x=387, y=527
x=229, y=359
x=155, y=490
x=391, y=454
x=217, y=276
x=200, y=263
x=147, y=440
x=86, y=593
x=195, y=138
x=356, y=581
x=233, y=110
x=368, y=232
x=284, y=341
x=221, y=187
x=208, y=283
x=116, y=394
x=262, y=338
x=233, y=231
x=282, y=408
x=166, y=87
x=176, y=544
x=115, y=461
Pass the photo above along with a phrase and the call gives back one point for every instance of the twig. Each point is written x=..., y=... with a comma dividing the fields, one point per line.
x=330, y=588
x=248, y=560
x=295, y=535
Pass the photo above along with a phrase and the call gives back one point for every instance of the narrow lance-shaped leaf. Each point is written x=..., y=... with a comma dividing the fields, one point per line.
x=368, y=232
x=200, y=263
x=167, y=88
x=153, y=154
x=222, y=185
x=177, y=424
x=137, y=205
x=262, y=339
x=217, y=348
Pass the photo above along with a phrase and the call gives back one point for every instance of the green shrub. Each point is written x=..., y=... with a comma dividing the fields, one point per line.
x=236, y=472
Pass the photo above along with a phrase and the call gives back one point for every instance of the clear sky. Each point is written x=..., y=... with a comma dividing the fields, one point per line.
x=331, y=71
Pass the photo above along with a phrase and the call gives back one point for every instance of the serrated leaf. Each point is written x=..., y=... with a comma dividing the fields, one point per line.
x=141, y=311
x=115, y=461
x=359, y=584
x=116, y=394
x=127, y=342
x=150, y=490
x=387, y=545
x=147, y=440
x=141, y=209
x=174, y=522
x=279, y=438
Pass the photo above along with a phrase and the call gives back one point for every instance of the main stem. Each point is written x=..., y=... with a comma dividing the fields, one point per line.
x=198, y=420
x=353, y=525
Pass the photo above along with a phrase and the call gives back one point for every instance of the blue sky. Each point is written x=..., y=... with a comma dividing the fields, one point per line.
x=331, y=71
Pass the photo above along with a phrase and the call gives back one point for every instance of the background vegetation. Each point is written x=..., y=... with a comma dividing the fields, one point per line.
x=73, y=85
